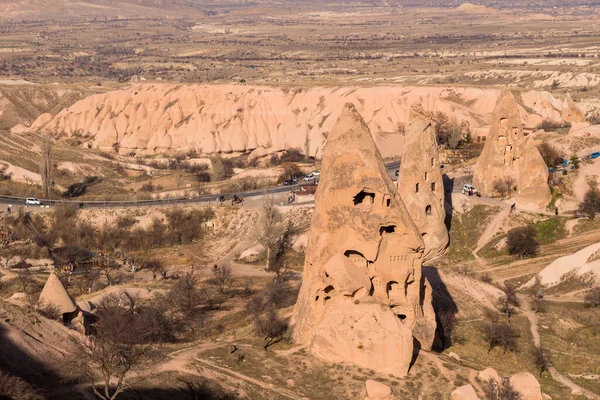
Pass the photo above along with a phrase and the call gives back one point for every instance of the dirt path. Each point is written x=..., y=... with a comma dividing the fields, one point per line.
x=263, y=385
x=491, y=230
x=557, y=376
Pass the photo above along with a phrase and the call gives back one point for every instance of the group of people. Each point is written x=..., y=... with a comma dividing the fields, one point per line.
x=234, y=200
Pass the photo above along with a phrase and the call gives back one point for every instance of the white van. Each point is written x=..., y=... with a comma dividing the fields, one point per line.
x=33, y=201
x=467, y=188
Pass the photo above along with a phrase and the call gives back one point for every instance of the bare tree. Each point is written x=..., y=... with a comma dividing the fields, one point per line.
x=270, y=327
x=504, y=186
x=46, y=166
x=508, y=301
x=497, y=334
x=522, y=241
x=500, y=187
x=25, y=278
x=122, y=337
x=268, y=233
x=541, y=359
x=274, y=234
x=590, y=206
x=222, y=279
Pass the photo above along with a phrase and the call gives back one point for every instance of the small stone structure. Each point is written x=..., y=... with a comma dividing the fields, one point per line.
x=55, y=294
x=363, y=296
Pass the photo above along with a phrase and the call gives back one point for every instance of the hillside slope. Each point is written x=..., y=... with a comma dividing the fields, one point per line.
x=154, y=118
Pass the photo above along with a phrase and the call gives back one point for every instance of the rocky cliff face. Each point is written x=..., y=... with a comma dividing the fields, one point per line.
x=157, y=118
x=363, y=295
x=511, y=158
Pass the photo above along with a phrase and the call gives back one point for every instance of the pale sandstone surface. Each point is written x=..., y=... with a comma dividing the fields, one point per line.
x=526, y=384
x=584, y=261
x=509, y=153
x=55, y=294
x=571, y=111
x=363, y=295
x=580, y=142
x=153, y=118
x=421, y=188
x=466, y=392
x=377, y=390
x=487, y=374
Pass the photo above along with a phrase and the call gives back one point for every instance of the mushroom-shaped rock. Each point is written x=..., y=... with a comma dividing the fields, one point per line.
x=526, y=384
x=420, y=186
x=362, y=237
x=512, y=159
x=377, y=390
x=55, y=294
x=464, y=393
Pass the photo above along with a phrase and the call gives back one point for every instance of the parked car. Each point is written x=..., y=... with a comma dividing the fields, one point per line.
x=595, y=155
x=33, y=201
x=290, y=182
x=467, y=188
x=312, y=176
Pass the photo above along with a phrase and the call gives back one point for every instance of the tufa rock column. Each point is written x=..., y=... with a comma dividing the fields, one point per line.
x=508, y=153
x=420, y=186
x=363, y=295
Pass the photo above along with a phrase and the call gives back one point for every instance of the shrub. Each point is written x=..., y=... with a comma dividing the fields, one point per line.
x=203, y=176
x=592, y=297
x=12, y=387
x=549, y=125
x=49, y=311
x=522, y=241
x=500, y=390
x=498, y=334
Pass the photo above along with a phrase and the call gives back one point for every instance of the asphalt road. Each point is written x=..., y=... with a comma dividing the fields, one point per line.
x=18, y=201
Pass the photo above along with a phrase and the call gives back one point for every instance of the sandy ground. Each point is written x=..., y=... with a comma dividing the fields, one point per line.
x=586, y=173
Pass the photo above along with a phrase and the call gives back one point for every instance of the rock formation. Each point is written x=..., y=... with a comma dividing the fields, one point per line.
x=154, y=118
x=420, y=186
x=509, y=154
x=363, y=295
x=466, y=392
x=571, y=111
x=527, y=385
x=55, y=294
x=377, y=390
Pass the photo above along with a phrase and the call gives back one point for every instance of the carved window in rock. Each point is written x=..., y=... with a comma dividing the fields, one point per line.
x=387, y=201
x=432, y=161
x=417, y=188
x=364, y=199
x=425, y=176
x=433, y=186
x=387, y=230
x=329, y=291
x=428, y=210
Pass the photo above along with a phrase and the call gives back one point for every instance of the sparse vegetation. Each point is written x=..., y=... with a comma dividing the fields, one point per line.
x=590, y=206
x=552, y=157
x=522, y=241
